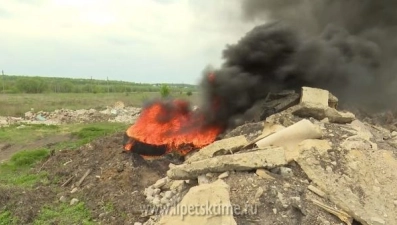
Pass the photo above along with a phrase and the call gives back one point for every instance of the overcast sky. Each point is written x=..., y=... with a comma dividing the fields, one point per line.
x=132, y=40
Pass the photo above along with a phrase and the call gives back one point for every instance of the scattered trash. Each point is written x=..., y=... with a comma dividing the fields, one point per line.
x=40, y=118
x=119, y=114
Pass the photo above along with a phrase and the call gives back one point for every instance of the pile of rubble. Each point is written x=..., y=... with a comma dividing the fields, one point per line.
x=308, y=164
x=117, y=113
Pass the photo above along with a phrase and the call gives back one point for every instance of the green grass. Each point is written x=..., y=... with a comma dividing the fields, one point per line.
x=22, y=134
x=15, y=172
x=84, y=132
x=27, y=158
x=64, y=214
x=18, y=104
x=7, y=219
x=92, y=132
x=87, y=133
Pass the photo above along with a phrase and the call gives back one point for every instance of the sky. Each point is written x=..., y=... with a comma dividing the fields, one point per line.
x=147, y=41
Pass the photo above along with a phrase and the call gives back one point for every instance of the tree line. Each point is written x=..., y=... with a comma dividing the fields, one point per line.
x=23, y=84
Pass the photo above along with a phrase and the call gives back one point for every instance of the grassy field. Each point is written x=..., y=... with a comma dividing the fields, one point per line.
x=15, y=135
x=18, y=104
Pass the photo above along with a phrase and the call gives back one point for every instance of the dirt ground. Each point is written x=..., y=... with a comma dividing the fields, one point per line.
x=113, y=191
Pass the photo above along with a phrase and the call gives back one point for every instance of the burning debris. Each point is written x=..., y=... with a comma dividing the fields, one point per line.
x=306, y=46
x=320, y=49
x=309, y=165
x=169, y=126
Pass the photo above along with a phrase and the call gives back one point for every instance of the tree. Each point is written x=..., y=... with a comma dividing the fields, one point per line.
x=66, y=86
x=189, y=93
x=164, y=91
x=31, y=85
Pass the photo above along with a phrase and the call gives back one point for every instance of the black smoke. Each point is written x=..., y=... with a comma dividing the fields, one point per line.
x=345, y=46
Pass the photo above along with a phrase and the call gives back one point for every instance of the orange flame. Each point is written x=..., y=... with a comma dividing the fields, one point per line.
x=174, y=125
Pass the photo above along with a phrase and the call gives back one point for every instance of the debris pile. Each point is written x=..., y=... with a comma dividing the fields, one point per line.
x=308, y=164
x=118, y=113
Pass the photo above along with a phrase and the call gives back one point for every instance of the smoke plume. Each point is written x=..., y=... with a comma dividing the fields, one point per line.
x=345, y=46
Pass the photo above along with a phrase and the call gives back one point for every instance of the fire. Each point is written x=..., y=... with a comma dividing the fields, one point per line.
x=171, y=124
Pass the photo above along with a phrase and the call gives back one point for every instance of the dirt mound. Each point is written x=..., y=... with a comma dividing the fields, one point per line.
x=113, y=188
x=112, y=191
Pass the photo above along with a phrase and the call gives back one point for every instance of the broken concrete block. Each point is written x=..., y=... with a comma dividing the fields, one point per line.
x=320, y=145
x=377, y=221
x=161, y=182
x=270, y=128
x=332, y=101
x=262, y=173
x=336, y=116
x=202, y=179
x=313, y=103
x=214, y=196
x=306, y=110
x=223, y=175
x=314, y=96
x=220, y=147
x=178, y=185
x=355, y=191
x=291, y=136
x=319, y=112
x=269, y=158
x=286, y=172
x=321, y=104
